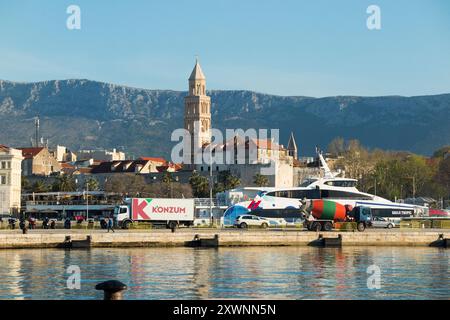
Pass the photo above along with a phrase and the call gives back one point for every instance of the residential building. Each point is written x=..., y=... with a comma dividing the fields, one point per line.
x=247, y=157
x=101, y=155
x=10, y=179
x=63, y=154
x=256, y=154
x=140, y=166
x=154, y=163
x=39, y=161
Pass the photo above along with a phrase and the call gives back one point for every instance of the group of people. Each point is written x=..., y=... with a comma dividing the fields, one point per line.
x=30, y=224
x=107, y=223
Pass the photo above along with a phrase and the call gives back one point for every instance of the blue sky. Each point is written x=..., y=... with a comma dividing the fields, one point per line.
x=313, y=48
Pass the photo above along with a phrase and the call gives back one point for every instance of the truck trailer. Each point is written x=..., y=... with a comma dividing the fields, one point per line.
x=170, y=213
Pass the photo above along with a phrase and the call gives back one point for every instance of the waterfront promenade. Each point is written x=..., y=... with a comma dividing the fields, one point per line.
x=225, y=237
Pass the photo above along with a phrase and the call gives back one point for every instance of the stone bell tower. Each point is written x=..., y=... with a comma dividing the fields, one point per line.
x=197, y=112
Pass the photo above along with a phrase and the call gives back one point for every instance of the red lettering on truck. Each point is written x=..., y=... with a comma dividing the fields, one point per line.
x=168, y=210
x=138, y=210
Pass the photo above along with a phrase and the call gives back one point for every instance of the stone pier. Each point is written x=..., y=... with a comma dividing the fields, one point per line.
x=162, y=238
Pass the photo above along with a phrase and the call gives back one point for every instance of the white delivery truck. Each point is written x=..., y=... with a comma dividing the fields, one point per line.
x=170, y=213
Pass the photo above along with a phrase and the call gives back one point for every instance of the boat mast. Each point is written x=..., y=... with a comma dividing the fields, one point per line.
x=324, y=165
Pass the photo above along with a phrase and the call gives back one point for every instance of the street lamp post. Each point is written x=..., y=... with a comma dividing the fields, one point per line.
x=413, y=178
x=210, y=186
x=87, y=202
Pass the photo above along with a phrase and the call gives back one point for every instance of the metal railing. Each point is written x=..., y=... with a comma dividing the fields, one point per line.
x=205, y=202
x=198, y=202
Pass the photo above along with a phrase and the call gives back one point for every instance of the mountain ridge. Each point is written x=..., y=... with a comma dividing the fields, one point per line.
x=82, y=113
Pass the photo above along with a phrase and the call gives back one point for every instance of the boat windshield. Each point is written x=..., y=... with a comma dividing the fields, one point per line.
x=261, y=193
x=341, y=183
x=307, y=182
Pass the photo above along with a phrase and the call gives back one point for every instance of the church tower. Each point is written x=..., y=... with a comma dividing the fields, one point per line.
x=197, y=112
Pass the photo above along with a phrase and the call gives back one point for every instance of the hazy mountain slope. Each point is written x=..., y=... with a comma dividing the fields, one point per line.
x=87, y=114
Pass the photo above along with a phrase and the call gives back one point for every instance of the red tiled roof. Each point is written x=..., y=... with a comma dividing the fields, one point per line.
x=66, y=165
x=170, y=165
x=3, y=148
x=84, y=170
x=162, y=168
x=267, y=144
x=161, y=160
x=258, y=143
x=29, y=153
x=298, y=163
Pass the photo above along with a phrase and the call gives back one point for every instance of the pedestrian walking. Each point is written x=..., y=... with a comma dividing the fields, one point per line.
x=23, y=226
x=12, y=223
x=45, y=223
x=67, y=223
x=110, y=225
x=31, y=223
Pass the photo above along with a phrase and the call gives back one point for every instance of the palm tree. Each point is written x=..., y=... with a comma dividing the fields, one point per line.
x=167, y=177
x=260, y=180
x=228, y=180
x=92, y=184
x=200, y=185
x=65, y=183
x=26, y=185
x=39, y=187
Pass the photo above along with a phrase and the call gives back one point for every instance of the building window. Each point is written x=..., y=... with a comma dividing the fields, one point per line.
x=9, y=164
x=3, y=164
x=2, y=179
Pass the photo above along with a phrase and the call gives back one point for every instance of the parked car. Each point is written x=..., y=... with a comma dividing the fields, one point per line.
x=246, y=221
x=380, y=222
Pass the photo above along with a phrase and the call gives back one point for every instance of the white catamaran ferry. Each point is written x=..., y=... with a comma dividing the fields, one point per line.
x=281, y=205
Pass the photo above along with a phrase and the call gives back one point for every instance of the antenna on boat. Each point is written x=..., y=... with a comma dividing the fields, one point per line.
x=323, y=164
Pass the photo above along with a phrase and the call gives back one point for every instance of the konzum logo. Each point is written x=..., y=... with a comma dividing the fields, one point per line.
x=144, y=209
x=168, y=210
x=139, y=209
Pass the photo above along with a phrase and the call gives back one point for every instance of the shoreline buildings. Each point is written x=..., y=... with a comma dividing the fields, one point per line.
x=258, y=156
x=242, y=154
x=10, y=180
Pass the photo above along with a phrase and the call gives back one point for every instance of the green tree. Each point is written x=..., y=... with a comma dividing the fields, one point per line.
x=40, y=187
x=401, y=177
x=26, y=185
x=337, y=146
x=167, y=177
x=129, y=185
x=440, y=153
x=200, y=185
x=92, y=184
x=443, y=176
x=260, y=180
x=64, y=183
x=228, y=180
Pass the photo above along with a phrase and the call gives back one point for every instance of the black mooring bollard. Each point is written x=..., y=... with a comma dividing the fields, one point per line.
x=112, y=289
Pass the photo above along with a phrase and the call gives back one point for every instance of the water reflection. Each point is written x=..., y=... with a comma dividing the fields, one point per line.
x=229, y=273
